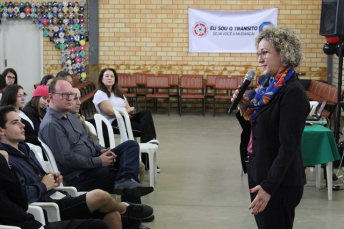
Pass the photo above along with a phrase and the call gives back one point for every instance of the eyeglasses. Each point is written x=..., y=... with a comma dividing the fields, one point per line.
x=262, y=54
x=66, y=95
x=11, y=78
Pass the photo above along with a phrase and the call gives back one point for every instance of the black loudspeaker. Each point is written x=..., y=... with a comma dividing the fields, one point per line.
x=331, y=21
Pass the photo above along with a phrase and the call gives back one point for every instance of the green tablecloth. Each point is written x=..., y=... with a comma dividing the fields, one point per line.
x=318, y=146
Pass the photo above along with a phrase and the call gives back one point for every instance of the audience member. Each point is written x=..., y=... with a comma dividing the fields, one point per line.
x=14, y=95
x=46, y=80
x=66, y=76
x=10, y=76
x=40, y=186
x=84, y=163
x=110, y=95
x=75, y=110
x=35, y=109
x=14, y=204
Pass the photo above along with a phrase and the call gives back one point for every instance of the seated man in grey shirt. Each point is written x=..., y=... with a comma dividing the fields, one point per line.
x=83, y=162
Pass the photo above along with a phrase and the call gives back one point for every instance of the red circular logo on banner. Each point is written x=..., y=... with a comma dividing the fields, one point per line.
x=200, y=29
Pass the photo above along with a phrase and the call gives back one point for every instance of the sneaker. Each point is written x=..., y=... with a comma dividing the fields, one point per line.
x=158, y=170
x=138, y=211
x=131, y=187
x=148, y=219
x=154, y=141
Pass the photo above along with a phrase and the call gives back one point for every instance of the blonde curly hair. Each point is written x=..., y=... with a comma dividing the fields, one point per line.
x=286, y=43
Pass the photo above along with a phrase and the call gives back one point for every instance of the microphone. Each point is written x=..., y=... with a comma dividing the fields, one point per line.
x=248, y=78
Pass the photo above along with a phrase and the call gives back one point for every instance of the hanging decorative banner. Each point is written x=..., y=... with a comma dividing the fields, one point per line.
x=227, y=32
x=63, y=22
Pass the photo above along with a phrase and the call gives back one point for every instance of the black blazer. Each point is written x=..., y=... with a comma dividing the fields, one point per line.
x=276, y=133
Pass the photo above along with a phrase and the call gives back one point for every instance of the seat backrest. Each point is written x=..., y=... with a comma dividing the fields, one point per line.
x=99, y=119
x=127, y=123
x=225, y=83
x=121, y=126
x=157, y=82
x=91, y=127
x=127, y=81
x=50, y=156
x=37, y=150
x=322, y=89
x=332, y=94
x=211, y=80
x=313, y=86
x=188, y=82
x=173, y=79
x=141, y=79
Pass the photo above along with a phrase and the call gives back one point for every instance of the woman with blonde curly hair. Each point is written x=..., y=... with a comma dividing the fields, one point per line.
x=273, y=122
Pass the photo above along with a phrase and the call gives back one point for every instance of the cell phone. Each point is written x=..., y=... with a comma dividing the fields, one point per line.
x=133, y=112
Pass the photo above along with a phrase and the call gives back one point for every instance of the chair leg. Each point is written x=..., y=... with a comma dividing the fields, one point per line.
x=214, y=107
x=168, y=106
x=180, y=107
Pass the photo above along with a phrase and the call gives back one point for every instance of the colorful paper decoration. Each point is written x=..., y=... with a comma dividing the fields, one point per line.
x=63, y=22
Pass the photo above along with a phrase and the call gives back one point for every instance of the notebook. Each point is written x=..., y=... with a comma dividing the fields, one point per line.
x=317, y=116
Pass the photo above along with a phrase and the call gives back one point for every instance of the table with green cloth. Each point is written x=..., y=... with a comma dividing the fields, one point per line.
x=319, y=147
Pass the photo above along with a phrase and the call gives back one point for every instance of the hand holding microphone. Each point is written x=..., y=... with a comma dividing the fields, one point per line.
x=248, y=78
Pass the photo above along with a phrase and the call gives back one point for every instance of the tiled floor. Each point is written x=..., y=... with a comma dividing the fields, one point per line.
x=200, y=184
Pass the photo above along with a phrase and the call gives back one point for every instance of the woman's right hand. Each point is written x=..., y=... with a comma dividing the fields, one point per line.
x=130, y=111
x=244, y=102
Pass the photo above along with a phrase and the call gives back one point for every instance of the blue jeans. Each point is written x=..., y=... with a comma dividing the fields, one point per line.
x=104, y=178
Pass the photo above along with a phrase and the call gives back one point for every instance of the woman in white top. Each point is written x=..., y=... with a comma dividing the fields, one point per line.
x=109, y=95
x=14, y=95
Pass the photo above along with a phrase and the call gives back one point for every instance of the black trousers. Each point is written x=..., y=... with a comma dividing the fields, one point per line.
x=280, y=210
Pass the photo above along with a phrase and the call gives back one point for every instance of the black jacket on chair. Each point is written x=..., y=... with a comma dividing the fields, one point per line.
x=277, y=133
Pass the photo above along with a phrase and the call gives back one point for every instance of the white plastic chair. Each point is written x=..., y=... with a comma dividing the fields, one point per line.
x=52, y=209
x=51, y=166
x=99, y=126
x=313, y=106
x=150, y=149
x=8, y=227
x=38, y=213
x=91, y=127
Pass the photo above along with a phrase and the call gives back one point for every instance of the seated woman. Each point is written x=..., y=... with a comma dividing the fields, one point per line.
x=47, y=79
x=10, y=76
x=14, y=95
x=109, y=95
x=35, y=109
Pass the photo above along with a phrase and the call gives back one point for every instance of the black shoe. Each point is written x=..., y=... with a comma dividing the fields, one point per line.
x=143, y=227
x=138, y=211
x=148, y=219
x=131, y=187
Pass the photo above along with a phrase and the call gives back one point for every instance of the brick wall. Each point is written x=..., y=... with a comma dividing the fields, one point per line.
x=151, y=36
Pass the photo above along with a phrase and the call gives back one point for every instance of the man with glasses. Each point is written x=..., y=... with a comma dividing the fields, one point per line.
x=83, y=162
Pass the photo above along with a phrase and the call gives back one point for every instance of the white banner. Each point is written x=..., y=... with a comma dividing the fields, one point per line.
x=227, y=32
